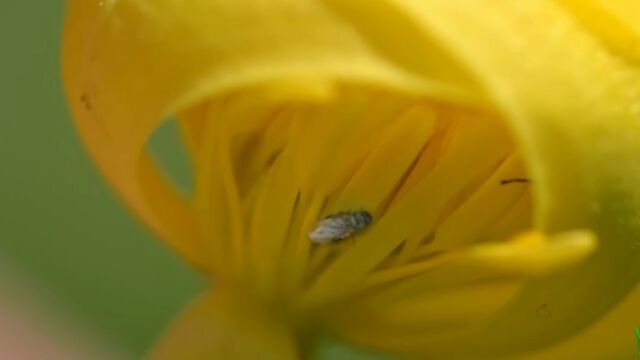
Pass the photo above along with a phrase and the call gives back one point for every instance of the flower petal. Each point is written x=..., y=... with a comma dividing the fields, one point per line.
x=573, y=108
x=423, y=307
x=130, y=64
x=615, y=22
x=156, y=202
x=219, y=325
x=612, y=337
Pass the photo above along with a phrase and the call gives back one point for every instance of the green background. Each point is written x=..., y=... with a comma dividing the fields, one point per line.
x=59, y=223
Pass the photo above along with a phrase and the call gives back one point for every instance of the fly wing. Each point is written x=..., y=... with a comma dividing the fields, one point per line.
x=328, y=230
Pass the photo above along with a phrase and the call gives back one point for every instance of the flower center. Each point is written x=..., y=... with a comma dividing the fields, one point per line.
x=444, y=185
x=434, y=178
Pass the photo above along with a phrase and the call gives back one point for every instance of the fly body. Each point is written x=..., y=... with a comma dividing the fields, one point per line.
x=340, y=226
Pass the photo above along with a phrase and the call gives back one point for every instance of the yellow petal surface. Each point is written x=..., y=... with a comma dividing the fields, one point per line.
x=130, y=64
x=218, y=325
x=432, y=303
x=612, y=337
x=615, y=22
x=570, y=100
x=573, y=107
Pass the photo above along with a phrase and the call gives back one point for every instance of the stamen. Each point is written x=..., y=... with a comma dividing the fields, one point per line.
x=529, y=254
x=270, y=223
x=209, y=194
x=514, y=220
x=229, y=182
x=296, y=255
x=461, y=162
x=399, y=272
x=480, y=210
x=402, y=143
x=433, y=179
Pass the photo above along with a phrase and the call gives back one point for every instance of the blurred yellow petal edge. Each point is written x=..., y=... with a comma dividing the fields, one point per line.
x=218, y=325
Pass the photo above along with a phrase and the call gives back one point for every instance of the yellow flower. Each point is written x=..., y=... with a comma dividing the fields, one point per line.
x=495, y=144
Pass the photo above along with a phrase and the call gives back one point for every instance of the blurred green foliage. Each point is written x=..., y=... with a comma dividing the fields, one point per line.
x=59, y=223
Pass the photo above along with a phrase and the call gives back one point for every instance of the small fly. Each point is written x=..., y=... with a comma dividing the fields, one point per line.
x=340, y=226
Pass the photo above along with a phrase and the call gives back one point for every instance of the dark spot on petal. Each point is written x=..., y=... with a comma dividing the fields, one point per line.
x=543, y=311
x=514, y=180
x=84, y=98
